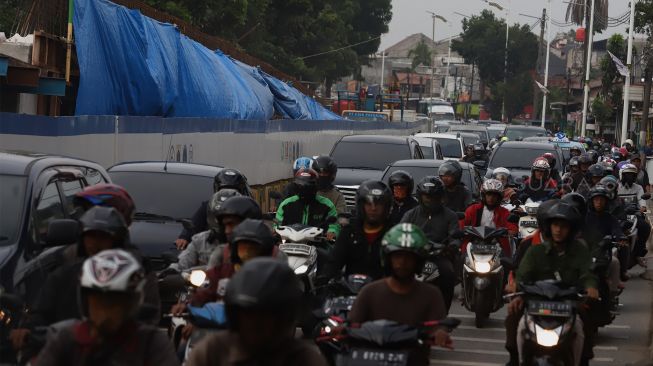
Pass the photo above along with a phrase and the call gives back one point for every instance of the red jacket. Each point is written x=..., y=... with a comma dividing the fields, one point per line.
x=473, y=216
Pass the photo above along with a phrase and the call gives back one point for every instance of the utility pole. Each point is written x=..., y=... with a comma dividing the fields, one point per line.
x=587, y=70
x=629, y=61
x=536, y=96
x=471, y=89
x=546, y=70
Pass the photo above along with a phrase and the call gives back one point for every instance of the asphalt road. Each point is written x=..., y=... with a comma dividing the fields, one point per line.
x=625, y=342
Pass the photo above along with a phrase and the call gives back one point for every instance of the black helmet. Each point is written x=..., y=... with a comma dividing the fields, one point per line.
x=375, y=191
x=575, y=148
x=451, y=167
x=573, y=161
x=240, y=206
x=306, y=184
x=106, y=220
x=541, y=213
x=230, y=178
x=562, y=211
x=214, y=205
x=265, y=284
x=600, y=191
x=593, y=155
x=430, y=186
x=255, y=231
x=479, y=149
x=596, y=170
x=324, y=164
x=606, y=147
x=577, y=200
x=584, y=159
x=401, y=177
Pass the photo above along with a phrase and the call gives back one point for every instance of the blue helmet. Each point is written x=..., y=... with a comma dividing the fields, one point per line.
x=302, y=162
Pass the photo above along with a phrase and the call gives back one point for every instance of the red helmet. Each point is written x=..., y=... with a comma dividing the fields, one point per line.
x=624, y=152
x=107, y=195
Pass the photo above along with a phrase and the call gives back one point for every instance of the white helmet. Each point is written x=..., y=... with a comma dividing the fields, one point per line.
x=113, y=270
x=492, y=186
x=500, y=171
x=628, y=141
x=627, y=168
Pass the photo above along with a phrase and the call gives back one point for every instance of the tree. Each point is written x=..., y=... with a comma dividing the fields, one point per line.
x=644, y=24
x=8, y=16
x=483, y=43
x=421, y=55
x=602, y=110
x=579, y=11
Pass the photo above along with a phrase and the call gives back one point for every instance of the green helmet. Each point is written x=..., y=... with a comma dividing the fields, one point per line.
x=407, y=238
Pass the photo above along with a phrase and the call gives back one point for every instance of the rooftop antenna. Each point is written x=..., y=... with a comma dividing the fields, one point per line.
x=165, y=166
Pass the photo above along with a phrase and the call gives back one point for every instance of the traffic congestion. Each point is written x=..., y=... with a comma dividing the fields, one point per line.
x=363, y=273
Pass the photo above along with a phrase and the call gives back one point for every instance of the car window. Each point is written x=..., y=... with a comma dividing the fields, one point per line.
x=370, y=155
x=427, y=151
x=517, y=158
x=438, y=152
x=69, y=188
x=419, y=172
x=419, y=154
x=450, y=148
x=514, y=134
x=49, y=207
x=12, y=196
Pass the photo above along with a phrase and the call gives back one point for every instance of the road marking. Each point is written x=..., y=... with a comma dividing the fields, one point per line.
x=483, y=340
x=606, y=348
x=480, y=351
x=467, y=316
x=613, y=326
x=602, y=359
x=470, y=327
x=463, y=363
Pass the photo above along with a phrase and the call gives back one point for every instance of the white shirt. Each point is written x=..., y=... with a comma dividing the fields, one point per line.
x=634, y=190
x=487, y=219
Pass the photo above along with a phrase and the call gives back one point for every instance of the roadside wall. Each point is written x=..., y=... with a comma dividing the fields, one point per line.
x=262, y=150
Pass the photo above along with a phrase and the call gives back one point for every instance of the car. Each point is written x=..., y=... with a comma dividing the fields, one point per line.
x=490, y=122
x=364, y=157
x=452, y=145
x=517, y=133
x=422, y=168
x=565, y=145
x=518, y=156
x=479, y=130
x=36, y=189
x=165, y=194
x=467, y=137
x=430, y=147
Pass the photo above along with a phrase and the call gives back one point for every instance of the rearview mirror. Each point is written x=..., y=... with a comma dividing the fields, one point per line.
x=62, y=232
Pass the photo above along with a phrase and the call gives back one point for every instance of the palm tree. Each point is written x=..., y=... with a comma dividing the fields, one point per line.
x=421, y=54
x=578, y=11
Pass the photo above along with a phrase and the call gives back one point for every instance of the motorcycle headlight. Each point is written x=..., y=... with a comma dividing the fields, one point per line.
x=301, y=269
x=547, y=337
x=483, y=263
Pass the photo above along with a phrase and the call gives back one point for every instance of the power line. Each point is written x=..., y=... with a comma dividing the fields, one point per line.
x=341, y=48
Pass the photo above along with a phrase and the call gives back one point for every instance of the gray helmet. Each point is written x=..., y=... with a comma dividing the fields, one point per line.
x=254, y=231
x=451, y=167
x=214, y=205
x=106, y=220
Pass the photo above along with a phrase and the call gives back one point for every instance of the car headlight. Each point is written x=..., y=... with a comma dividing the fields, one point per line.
x=547, y=337
x=301, y=269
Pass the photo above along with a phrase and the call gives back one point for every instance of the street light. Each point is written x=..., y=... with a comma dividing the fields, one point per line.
x=505, y=58
x=434, y=16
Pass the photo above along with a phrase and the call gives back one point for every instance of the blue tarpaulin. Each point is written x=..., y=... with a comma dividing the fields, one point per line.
x=133, y=65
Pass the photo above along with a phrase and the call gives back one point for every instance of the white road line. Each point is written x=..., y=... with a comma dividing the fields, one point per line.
x=463, y=363
x=602, y=359
x=470, y=327
x=483, y=340
x=467, y=316
x=613, y=326
x=480, y=351
x=606, y=348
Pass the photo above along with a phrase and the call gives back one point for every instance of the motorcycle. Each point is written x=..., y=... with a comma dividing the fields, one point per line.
x=379, y=342
x=601, y=259
x=528, y=223
x=483, y=273
x=550, y=312
x=194, y=279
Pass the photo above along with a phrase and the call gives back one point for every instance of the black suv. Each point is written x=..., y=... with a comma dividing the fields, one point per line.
x=518, y=157
x=36, y=189
x=363, y=157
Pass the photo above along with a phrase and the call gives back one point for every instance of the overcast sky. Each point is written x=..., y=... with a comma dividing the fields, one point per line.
x=409, y=16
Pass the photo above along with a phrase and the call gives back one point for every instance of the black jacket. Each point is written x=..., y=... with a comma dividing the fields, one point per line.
x=437, y=226
x=355, y=254
x=199, y=223
x=458, y=199
x=598, y=226
x=397, y=212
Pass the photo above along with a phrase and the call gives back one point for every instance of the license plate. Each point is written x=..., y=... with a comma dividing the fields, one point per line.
x=528, y=223
x=483, y=248
x=365, y=357
x=549, y=308
x=429, y=268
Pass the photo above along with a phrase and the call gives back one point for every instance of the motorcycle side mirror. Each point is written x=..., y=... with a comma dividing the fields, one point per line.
x=646, y=196
x=187, y=224
x=458, y=234
x=508, y=263
x=62, y=232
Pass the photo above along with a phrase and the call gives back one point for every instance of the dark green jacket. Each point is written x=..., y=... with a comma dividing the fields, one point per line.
x=542, y=262
x=294, y=211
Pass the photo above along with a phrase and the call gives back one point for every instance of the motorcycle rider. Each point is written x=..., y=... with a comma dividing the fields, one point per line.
x=358, y=248
x=302, y=162
x=226, y=178
x=401, y=184
x=629, y=145
x=111, y=293
x=555, y=174
x=327, y=169
x=642, y=174
x=539, y=186
x=262, y=304
x=438, y=223
x=489, y=213
x=562, y=258
x=575, y=151
x=573, y=168
x=595, y=173
x=456, y=196
x=629, y=187
x=503, y=175
x=400, y=297
x=469, y=154
x=307, y=207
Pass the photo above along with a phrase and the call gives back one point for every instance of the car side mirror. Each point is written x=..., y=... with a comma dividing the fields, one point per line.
x=480, y=164
x=62, y=232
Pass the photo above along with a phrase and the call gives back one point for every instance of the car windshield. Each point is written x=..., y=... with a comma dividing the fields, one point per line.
x=450, y=148
x=368, y=155
x=427, y=151
x=481, y=134
x=515, y=134
x=513, y=158
x=420, y=172
x=12, y=196
x=470, y=140
x=173, y=195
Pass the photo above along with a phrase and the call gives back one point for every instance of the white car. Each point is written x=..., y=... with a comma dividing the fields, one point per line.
x=451, y=144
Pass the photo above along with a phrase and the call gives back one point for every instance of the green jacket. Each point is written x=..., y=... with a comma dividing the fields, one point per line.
x=294, y=211
x=542, y=262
